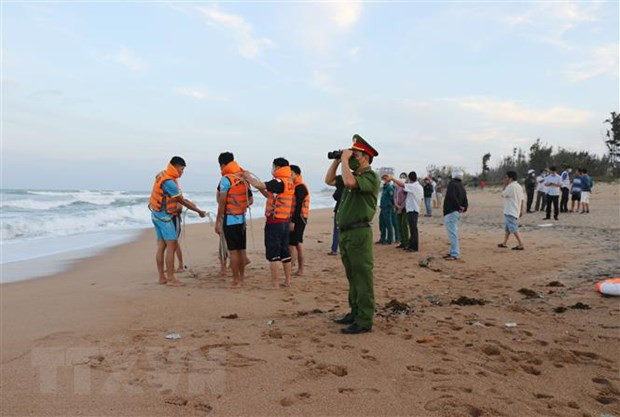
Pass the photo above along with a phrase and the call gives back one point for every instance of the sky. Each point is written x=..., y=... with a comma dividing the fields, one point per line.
x=100, y=95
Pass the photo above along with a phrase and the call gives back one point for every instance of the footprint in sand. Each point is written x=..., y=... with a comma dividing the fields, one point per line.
x=358, y=391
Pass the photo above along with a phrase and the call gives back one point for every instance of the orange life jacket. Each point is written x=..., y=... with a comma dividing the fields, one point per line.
x=237, y=197
x=280, y=206
x=158, y=197
x=305, y=207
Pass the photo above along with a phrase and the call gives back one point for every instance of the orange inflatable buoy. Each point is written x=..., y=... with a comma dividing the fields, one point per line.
x=609, y=286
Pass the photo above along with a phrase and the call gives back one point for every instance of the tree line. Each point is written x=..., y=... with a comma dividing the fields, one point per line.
x=541, y=155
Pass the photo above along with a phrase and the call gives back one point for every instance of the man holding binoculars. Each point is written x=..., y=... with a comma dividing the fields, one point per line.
x=358, y=205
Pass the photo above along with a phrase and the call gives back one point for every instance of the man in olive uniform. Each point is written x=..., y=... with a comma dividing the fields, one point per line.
x=358, y=205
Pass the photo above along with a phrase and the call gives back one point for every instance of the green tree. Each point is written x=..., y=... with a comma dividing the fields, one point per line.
x=613, y=141
x=485, y=165
x=540, y=155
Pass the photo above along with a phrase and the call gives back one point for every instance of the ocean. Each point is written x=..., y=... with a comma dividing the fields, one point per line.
x=44, y=231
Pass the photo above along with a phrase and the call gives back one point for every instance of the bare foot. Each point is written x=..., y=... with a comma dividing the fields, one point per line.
x=162, y=281
x=175, y=283
x=287, y=283
x=222, y=272
x=179, y=269
x=275, y=286
x=235, y=285
x=299, y=273
x=247, y=261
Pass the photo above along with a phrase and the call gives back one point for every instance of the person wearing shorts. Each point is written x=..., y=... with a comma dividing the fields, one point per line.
x=279, y=193
x=299, y=219
x=233, y=201
x=513, y=197
x=164, y=203
x=586, y=189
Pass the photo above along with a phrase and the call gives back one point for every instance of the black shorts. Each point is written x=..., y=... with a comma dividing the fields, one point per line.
x=235, y=236
x=297, y=235
x=276, y=242
x=575, y=197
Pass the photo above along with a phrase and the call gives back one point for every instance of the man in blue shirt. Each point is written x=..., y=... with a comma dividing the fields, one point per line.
x=575, y=191
x=164, y=204
x=586, y=190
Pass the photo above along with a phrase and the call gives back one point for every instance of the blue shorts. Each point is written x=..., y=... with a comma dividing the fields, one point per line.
x=512, y=224
x=164, y=229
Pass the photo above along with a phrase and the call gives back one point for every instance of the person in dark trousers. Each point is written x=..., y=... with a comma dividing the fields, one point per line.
x=553, y=183
x=336, y=196
x=454, y=204
x=415, y=195
x=530, y=188
x=541, y=191
x=565, y=187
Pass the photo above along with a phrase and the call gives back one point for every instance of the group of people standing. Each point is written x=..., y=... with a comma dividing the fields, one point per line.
x=552, y=191
x=286, y=215
x=393, y=218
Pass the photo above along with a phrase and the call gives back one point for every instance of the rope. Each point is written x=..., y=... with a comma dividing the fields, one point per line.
x=185, y=248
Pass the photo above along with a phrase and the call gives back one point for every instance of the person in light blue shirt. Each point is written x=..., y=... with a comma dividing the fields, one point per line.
x=165, y=201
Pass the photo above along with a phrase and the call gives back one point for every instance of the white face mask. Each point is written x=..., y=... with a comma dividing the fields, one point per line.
x=403, y=178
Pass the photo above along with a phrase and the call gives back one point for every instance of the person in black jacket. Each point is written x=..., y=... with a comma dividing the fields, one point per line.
x=530, y=188
x=454, y=204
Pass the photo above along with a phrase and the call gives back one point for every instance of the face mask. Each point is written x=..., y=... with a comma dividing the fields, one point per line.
x=354, y=164
x=403, y=178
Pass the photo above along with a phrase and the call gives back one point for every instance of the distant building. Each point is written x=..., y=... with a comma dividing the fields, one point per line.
x=385, y=171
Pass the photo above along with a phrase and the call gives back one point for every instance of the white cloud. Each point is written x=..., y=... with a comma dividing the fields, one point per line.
x=198, y=94
x=345, y=14
x=123, y=56
x=509, y=111
x=603, y=60
x=549, y=22
x=127, y=58
x=323, y=79
x=354, y=51
x=249, y=46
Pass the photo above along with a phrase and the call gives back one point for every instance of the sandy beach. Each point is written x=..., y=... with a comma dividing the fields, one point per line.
x=91, y=341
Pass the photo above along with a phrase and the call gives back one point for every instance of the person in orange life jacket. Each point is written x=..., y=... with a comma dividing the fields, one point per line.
x=233, y=202
x=164, y=202
x=278, y=211
x=301, y=210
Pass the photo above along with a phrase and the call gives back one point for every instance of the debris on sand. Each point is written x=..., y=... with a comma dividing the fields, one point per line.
x=467, y=301
x=427, y=263
x=529, y=293
x=433, y=299
x=577, y=306
x=394, y=308
x=555, y=284
x=231, y=316
x=424, y=262
x=302, y=313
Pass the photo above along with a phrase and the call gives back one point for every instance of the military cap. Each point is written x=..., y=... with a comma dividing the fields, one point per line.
x=359, y=144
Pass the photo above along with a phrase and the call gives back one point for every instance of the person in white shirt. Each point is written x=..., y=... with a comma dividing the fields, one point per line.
x=415, y=194
x=553, y=182
x=513, y=209
x=566, y=183
x=541, y=191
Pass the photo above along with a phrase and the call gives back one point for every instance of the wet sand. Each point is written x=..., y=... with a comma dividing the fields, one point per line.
x=91, y=341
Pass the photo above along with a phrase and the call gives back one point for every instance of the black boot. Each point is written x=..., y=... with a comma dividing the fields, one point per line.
x=346, y=319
